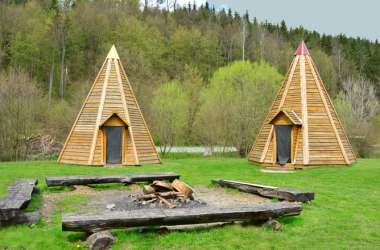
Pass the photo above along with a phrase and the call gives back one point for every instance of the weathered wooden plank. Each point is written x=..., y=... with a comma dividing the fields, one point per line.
x=268, y=191
x=17, y=197
x=92, y=222
x=22, y=218
x=116, y=178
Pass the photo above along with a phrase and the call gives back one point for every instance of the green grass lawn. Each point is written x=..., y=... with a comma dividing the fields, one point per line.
x=344, y=215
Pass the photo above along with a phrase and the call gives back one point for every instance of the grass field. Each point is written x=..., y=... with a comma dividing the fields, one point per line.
x=344, y=215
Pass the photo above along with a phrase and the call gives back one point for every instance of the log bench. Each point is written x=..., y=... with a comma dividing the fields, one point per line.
x=268, y=191
x=114, y=178
x=17, y=198
x=94, y=222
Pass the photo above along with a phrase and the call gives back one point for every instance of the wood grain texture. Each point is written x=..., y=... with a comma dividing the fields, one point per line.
x=305, y=125
x=18, y=196
x=93, y=222
x=115, y=178
x=268, y=191
x=22, y=218
x=100, y=112
x=100, y=240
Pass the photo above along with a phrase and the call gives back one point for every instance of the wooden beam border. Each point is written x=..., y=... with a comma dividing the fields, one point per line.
x=130, y=128
x=305, y=124
x=100, y=112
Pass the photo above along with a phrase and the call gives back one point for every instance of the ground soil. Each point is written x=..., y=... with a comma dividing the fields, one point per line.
x=119, y=200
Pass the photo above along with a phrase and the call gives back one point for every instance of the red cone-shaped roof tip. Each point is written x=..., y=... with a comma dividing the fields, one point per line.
x=302, y=49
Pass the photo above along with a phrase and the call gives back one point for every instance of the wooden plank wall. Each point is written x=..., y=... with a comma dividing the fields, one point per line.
x=78, y=145
x=346, y=143
x=146, y=150
x=292, y=101
x=261, y=139
x=323, y=145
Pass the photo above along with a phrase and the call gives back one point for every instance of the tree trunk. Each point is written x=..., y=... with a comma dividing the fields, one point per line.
x=51, y=81
x=63, y=66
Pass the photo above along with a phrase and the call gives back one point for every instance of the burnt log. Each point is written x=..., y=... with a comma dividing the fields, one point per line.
x=100, y=240
x=93, y=222
x=114, y=178
x=268, y=191
x=17, y=197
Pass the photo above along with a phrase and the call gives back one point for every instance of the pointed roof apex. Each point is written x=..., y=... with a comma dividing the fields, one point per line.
x=302, y=49
x=113, y=53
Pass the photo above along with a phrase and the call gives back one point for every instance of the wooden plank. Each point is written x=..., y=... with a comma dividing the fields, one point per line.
x=268, y=191
x=93, y=222
x=17, y=197
x=139, y=111
x=116, y=178
x=267, y=144
x=100, y=110
x=296, y=147
x=328, y=112
x=22, y=218
x=81, y=110
x=289, y=78
x=130, y=128
x=305, y=125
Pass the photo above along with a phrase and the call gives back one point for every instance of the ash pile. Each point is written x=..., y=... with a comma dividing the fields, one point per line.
x=160, y=194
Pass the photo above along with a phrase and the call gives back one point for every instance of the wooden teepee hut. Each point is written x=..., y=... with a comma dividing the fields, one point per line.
x=302, y=127
x=110, y=128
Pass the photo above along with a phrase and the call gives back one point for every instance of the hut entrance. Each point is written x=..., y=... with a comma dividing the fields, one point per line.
x=286, y=126
x=114, y=144
x=114, y=130
x=283, y=143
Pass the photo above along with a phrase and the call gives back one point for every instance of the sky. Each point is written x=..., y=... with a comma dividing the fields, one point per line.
x=332, y=17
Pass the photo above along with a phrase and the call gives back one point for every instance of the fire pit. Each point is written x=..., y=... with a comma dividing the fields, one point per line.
x=159, y=194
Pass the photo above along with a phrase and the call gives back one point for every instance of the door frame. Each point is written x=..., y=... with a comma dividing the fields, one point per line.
x=114, y=121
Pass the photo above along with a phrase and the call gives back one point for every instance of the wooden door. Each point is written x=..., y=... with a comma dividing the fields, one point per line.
x=114, y=135
x=283, y=143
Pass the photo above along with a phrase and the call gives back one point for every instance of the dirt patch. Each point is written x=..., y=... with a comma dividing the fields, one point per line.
x=121, y=200
x=217, y=197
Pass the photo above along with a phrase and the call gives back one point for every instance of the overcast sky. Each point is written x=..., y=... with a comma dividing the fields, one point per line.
x=352, y=18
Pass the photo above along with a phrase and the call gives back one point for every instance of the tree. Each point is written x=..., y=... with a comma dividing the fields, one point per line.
x=325, y=66
x=170, y=116
x=236, y=102
x=192, y=83
x=243, y=35
x=360, y=93
x=19, y=109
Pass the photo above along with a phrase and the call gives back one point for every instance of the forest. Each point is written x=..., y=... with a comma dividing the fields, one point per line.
x=202, y=76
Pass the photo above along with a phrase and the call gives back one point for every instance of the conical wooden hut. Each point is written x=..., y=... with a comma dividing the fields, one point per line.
x=302, y=127
x=110, y=128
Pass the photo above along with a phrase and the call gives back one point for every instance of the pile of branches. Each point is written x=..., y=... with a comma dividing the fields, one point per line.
x=42, y=144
